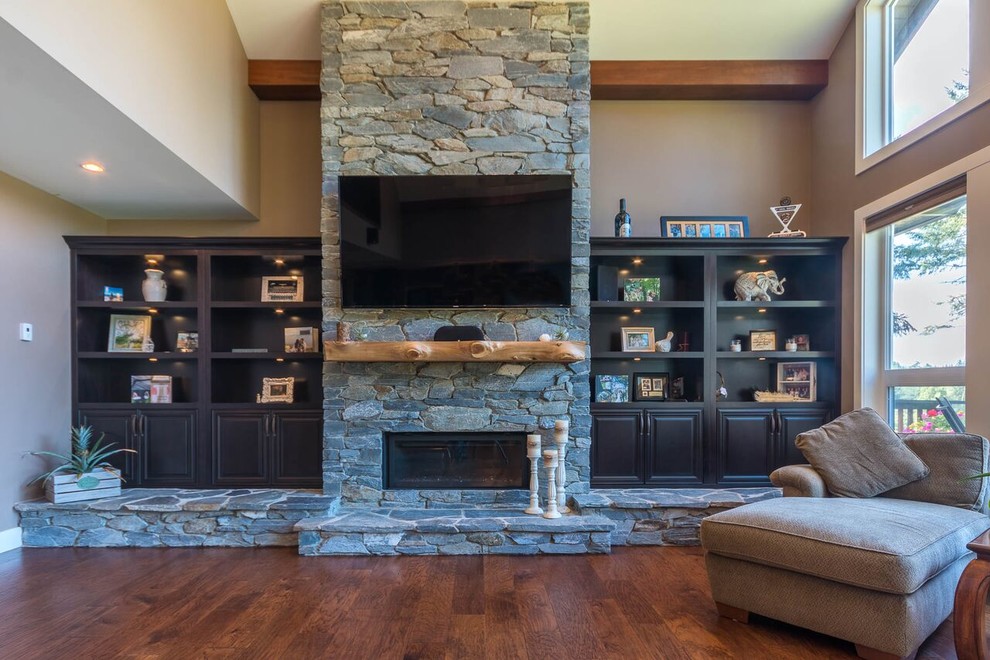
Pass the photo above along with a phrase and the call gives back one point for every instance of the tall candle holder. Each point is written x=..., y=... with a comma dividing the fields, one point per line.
x=533, y=454
x=550, y=463
x=560, y=431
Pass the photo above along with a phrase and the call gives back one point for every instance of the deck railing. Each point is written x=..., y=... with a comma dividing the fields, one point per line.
x=908, y=411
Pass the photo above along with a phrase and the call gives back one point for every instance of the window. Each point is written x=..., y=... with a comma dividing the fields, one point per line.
x=916, y=265
x=915, y=65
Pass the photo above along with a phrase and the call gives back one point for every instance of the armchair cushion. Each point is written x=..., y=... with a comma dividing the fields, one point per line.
x=799, y=481
x=952, y=458
x=858, y=455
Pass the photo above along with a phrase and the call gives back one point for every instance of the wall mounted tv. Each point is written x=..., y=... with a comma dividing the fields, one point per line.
x=455, y=241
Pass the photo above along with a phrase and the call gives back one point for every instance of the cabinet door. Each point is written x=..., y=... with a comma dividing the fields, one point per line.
x=673, y=448
x=119, y=428
x=791, y=423
x=617, y=449
x=297, y=449
x=240, y=448
x=745, y=447
x=167, y=447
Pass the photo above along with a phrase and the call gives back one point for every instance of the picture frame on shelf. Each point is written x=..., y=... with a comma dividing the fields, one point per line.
x=763, y=340
x=113, y=294
x=713, y=226
x=803, y=342
x=151, y=389
x=611, y=388
x=128, y=333
x=651, y=386
x=277, y=390
x=301, y=340
x=798, y=379
x=186, y=342
x=641, y=289
x=638, y=340
x=281, y=288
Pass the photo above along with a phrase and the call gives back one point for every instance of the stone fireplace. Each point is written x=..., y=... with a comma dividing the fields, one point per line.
x=455, y=460
x=436, y=88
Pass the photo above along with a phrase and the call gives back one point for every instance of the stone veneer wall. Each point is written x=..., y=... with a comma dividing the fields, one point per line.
x=438, y=87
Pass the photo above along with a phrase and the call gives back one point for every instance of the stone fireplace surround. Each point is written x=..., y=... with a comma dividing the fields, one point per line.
x=435, y=88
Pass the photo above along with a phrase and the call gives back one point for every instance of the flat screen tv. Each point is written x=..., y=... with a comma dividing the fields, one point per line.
x=455, y=241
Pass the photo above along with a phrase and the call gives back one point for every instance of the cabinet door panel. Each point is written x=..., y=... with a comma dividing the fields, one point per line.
x=674, y=448
x=117, y=428
x=167, y=451
x=745, y=451
x=794, y=422
x=297, y=449
x=617, y=455
x=240, y=444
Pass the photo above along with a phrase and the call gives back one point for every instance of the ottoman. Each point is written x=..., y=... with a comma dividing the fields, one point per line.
x=878, y=572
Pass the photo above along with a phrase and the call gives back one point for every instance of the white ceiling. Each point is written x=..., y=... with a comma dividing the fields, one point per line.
x=620, y=29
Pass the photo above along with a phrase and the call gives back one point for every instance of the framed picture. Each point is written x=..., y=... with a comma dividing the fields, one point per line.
x=113, y=294
x=714, y=226
x=641, y=289
x=128, y=333
x=611, y=389
x=798, y=379
x=762, y=340
x=803, y=342
x=638, y=340
x=301, y=340
x=151, y=389
x=187, y=342
x=276, y=390
x=281, y=288
x=651, y=387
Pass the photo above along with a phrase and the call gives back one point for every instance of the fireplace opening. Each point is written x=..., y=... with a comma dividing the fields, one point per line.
x=455, y=460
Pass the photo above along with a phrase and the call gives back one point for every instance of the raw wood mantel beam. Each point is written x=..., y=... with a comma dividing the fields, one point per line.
x=708, y=80
x=285, y=80
x=715, y=80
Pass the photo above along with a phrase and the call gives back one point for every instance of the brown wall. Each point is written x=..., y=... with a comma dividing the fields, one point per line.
x=837, y=192
x=698, y=158
x=35, y=388
x=290, y=182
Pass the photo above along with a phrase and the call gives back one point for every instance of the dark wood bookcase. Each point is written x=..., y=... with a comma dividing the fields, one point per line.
x=214, y=433
x=702, y=438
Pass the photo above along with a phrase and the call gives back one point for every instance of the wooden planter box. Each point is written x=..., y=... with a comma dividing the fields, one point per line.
x=65, y=487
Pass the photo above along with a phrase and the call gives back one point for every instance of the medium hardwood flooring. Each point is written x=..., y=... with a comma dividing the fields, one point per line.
x=272, y=603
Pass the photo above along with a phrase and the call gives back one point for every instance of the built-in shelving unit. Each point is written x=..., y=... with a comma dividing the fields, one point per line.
x=214, y=433
x=702, y=437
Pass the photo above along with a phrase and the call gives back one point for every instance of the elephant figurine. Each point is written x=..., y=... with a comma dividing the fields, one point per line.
x=759, y=286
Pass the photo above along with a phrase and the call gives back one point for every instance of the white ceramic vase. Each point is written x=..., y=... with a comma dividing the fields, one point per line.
x=154, y=287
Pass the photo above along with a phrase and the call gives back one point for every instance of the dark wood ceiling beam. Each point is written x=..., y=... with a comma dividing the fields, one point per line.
x=709, y=80
x=668, y=80
x=285, y=80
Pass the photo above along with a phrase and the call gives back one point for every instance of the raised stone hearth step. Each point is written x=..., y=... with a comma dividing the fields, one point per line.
x=452, y=532
x=160, y=517
x=663, y=516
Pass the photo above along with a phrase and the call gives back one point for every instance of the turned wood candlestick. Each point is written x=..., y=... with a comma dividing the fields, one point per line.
x=533, y=454
x=560, y=430
x=550, y=463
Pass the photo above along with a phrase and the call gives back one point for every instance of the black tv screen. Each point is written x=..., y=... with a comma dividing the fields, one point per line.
x=455, y=241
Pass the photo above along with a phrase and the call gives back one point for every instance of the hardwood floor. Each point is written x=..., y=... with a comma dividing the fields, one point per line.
x=272, y=603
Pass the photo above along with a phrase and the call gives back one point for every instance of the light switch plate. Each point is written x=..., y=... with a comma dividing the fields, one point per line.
x=26, y=332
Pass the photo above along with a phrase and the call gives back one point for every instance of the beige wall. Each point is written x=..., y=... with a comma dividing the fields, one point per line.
x=35, y=390
x=837, y=192
x=290, y=182
x=174, y=67
x=698, y=158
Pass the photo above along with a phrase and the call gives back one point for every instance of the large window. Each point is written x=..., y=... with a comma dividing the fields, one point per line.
x=917, y=272
x=915, y=65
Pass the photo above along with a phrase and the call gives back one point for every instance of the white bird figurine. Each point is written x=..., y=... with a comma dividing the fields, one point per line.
x=664, y=344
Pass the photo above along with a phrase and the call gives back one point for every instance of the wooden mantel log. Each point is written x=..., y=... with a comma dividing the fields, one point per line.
x=454, y=351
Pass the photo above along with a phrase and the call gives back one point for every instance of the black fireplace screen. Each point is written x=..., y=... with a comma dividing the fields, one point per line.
x=455, y=460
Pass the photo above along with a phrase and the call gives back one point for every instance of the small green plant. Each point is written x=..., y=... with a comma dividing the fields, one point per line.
x=86, y=456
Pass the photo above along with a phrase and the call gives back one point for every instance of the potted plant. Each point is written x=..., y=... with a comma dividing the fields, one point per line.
x=85, y=473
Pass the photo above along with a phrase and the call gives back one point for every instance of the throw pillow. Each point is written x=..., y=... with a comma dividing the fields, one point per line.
x=858, y=455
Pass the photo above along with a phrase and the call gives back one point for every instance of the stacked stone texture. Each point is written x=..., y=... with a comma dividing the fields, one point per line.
x=441, y=87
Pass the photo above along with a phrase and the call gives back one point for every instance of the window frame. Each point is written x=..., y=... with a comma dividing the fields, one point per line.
x=874, y=55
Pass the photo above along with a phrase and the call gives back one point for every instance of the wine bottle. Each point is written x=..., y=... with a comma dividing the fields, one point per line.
x=623, y=222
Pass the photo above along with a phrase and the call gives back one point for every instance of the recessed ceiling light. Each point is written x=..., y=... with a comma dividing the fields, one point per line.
x=93, y=166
